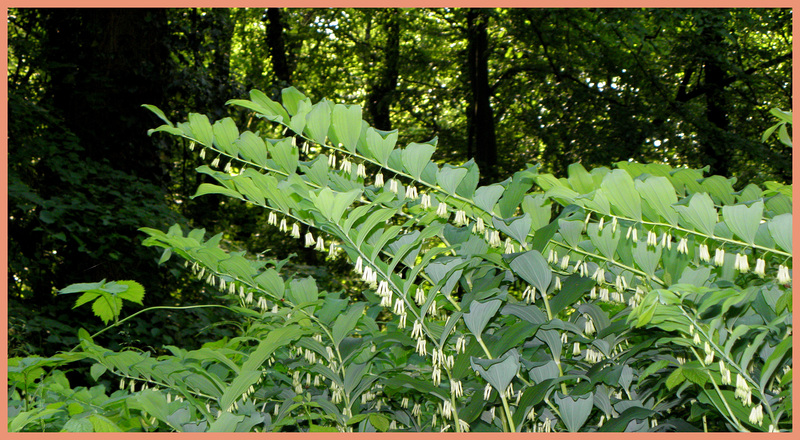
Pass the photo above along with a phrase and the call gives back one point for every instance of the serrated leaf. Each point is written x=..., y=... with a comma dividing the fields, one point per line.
x=134, y=292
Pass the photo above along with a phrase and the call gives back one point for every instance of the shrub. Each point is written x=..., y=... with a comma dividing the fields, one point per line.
x=638, y=298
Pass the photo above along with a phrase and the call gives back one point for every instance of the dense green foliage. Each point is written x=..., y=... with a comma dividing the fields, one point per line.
x=687, y=92
x=466, y=318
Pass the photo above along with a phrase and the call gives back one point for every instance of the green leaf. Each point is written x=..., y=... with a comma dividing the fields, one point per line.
x=158, y=113
x=658, y=192
x=347, y=125
x=533, y=268
x=346, y=322
x=290, y=97
x=479, y=315
x=720, y=189
x=621, y=193
x=201, y=129
x=274, y=111
x=240, y=384
x=498, y=372
x=210, y=188
x=318, y=121
x=303, y=290
x=518, y=228
x=134, y=293
x=605, y=241
x=416, y=157
x=252, y=148
x=97, y=370
x=699, y=213
x=285, y=155
x=381, y=143
x=103, y=424
x=81, y=287
x=274, y=339
x=574, y=411
x=379, y=421
x=743, y=221
x=579, y=179
x=107, y=307
x=780, y=228
x=449, y=177
x=675, y=378
x=225, y=133
x=226, y=422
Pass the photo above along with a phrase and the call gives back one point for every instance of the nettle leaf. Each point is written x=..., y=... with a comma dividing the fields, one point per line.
x=574, y=411
x=134, y=292
x=743, y=221
x=498, y=372
x=780, y=227
x=347, y=125
x=449, y=177
x=381, y=143
x=699, y=213
x=318, y=121
x=201, y=129
x=416, y=157
x=621, y=193
x=479, y=315
x=107, y=307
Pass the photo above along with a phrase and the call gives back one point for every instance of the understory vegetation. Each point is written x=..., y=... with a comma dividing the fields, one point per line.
x=638, y=297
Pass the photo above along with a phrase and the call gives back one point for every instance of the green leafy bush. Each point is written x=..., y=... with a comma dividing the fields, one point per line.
x=639, y=298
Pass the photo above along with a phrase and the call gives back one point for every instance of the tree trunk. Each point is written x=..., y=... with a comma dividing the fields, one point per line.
x=275, y=40
x=379, y=101
x=481, y=141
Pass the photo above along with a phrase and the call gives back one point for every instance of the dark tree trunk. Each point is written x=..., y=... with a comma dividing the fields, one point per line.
x=481, y=141
x=379, y=101
x=277, y=47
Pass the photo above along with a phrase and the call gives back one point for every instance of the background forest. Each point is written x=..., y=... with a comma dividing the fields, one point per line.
x=504, y=87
